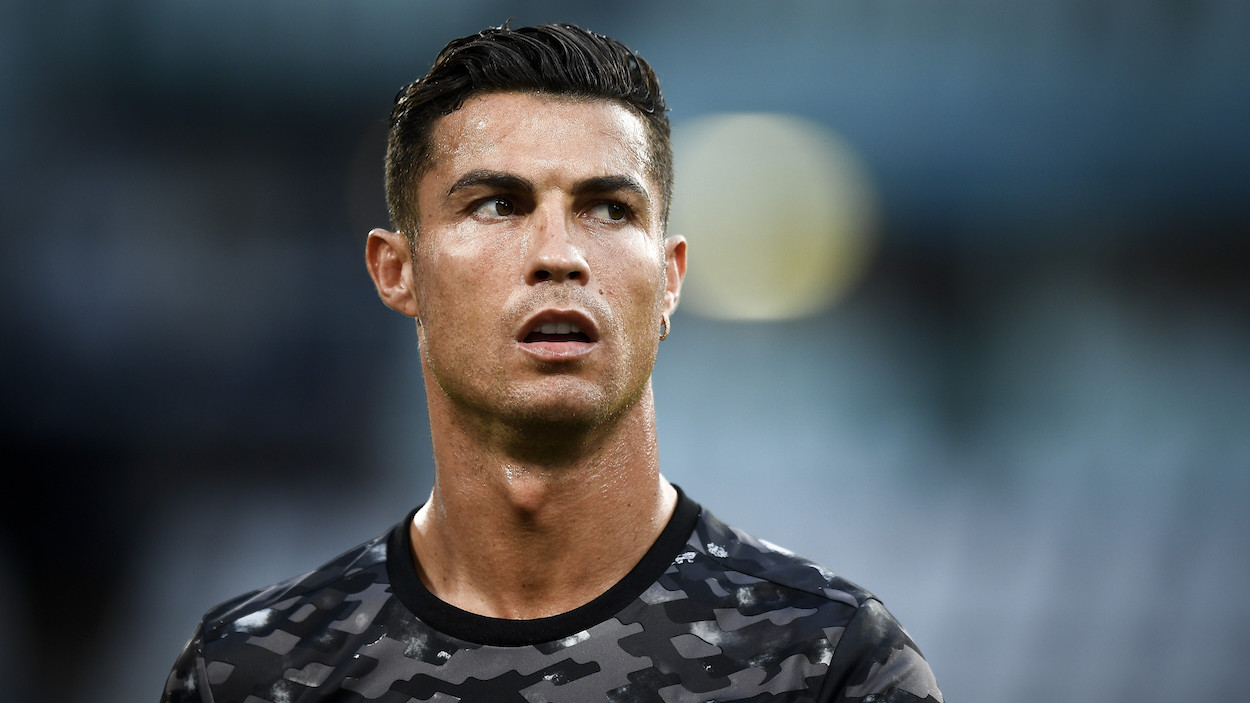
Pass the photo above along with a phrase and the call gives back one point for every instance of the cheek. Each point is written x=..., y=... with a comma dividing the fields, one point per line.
x=645, y=274
x=463, y=274
x=637, y=294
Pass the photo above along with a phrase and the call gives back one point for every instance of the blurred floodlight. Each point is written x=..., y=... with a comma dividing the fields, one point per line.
x=778, y=211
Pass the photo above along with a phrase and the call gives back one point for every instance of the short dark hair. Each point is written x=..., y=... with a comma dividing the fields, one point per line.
x=557, y=59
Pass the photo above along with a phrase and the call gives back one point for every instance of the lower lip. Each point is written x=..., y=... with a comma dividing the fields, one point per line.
x=557, y=351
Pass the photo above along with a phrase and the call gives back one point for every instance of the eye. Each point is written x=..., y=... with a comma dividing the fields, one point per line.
x=495, y=207
x=609, y=212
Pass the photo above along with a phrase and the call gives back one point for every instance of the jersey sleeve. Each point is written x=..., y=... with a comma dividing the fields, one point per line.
x=186, y=682
x=877, y=662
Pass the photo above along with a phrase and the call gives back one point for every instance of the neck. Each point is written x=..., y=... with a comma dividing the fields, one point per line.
x=516, y=529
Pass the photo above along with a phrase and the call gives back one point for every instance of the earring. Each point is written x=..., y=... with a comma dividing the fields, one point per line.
x=664, y=330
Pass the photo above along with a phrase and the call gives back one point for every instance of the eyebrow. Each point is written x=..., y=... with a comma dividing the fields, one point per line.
x=516, y=184
x=492, y=179
x=612, y=184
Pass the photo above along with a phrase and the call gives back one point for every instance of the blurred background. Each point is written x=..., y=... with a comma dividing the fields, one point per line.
x=966, y=318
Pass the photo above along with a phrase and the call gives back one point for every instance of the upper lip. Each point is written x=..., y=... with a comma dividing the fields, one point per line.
x=554, y=316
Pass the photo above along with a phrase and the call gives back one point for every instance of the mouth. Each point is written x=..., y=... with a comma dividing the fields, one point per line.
x=557, y=332
x=558, y=335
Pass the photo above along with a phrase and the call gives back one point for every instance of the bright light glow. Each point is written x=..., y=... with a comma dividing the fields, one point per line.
x=778, y=211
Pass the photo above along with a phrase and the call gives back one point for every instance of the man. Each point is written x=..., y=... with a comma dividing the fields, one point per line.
x=528, y=176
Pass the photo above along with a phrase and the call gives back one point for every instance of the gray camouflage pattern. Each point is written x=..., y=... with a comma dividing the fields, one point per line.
x=731, y=619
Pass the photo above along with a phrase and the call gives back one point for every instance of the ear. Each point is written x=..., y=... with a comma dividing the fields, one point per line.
x=390, y=265
x=675, y=270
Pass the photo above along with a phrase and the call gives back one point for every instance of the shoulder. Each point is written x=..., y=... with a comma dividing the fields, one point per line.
x=733, y=551
x=869, y=656
x=261, y=634
x=345, y=577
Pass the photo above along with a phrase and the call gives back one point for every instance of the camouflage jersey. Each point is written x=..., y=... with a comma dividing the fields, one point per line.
x=709, y=614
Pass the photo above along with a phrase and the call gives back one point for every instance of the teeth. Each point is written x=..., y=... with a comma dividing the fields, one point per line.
x=559, y=328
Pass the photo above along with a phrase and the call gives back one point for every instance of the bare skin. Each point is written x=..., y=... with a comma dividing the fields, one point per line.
x=540, y=279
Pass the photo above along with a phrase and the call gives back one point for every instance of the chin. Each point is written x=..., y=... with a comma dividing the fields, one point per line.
x=562, y=416
x=571, y=411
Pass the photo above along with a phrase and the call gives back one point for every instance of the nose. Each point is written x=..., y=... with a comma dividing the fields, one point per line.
x=553, y=255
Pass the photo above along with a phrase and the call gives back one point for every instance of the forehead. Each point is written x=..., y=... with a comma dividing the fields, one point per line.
x=537, y=132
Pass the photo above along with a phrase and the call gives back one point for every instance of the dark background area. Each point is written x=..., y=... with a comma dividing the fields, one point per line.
x=1026, y=428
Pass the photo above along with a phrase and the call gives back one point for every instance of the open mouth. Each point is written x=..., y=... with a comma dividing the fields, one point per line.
x=557, y=332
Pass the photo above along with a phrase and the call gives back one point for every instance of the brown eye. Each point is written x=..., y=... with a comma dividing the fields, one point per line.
x=609, y=212
x=494, y=207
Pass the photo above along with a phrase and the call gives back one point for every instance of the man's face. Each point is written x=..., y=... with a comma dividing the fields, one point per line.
x=540, y=268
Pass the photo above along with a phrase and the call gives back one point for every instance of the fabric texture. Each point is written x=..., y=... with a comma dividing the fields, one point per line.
x=709, y=614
